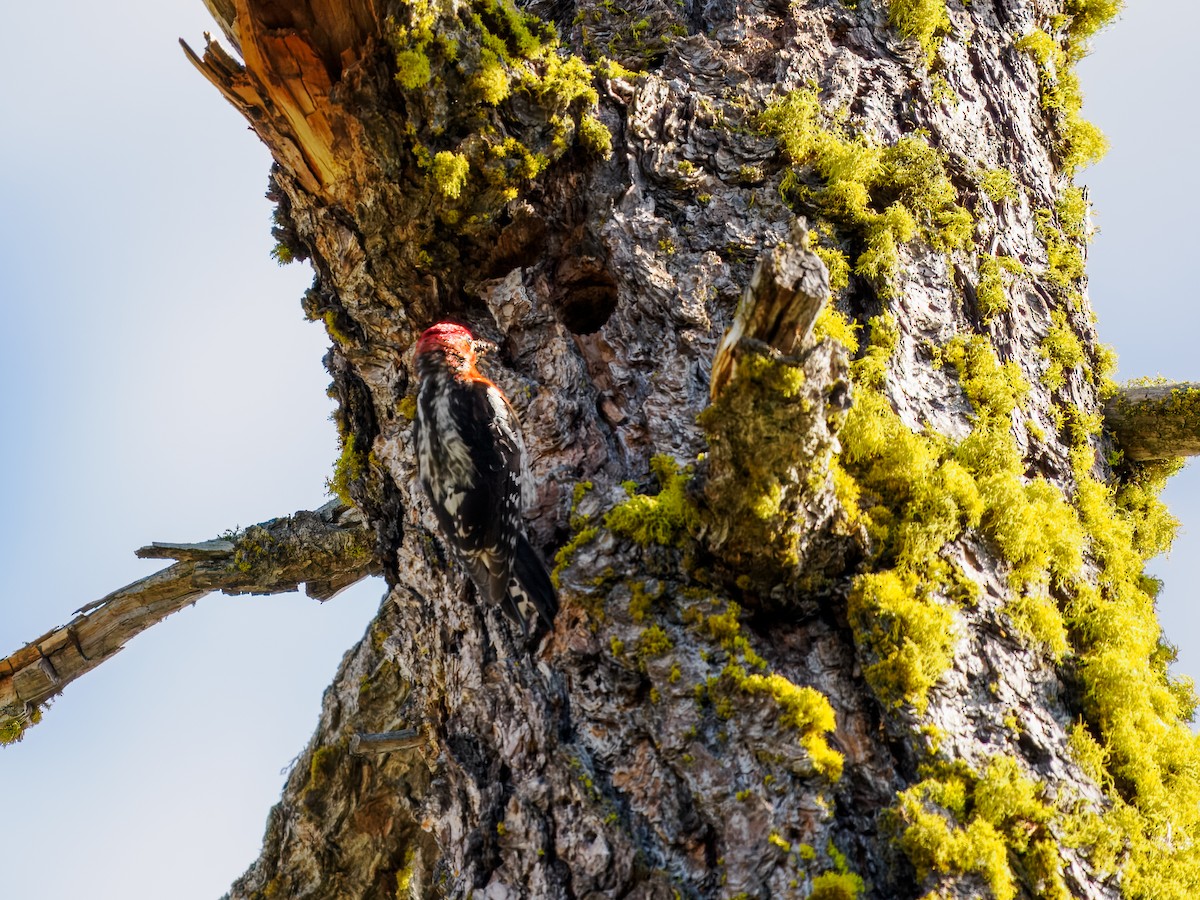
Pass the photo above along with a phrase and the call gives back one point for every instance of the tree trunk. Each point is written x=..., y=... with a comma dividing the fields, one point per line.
x=862, y=614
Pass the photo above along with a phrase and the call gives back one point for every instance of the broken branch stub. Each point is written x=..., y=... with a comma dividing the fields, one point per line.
x=778, y=400
x=789, y=286
x=1159, y=421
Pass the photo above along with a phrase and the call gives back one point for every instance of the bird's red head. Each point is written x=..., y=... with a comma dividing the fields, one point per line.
x=451, y=341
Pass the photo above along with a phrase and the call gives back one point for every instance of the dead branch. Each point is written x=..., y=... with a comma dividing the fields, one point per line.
x=327, y=550
x=1158, y=421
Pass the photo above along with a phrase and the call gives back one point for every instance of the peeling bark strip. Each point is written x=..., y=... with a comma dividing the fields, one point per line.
x=327, y=550
x=1158, y=421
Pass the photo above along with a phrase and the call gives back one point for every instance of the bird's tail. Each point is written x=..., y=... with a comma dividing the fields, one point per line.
x=532, y=600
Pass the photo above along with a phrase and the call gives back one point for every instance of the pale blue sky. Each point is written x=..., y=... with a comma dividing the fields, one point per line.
x=159, y=383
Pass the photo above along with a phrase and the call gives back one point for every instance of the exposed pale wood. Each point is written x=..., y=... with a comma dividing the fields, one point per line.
x=781, y=302
x=329, y=549
x=224, y=12
x=294, y=57
x=386, y=742
x=1159, y=421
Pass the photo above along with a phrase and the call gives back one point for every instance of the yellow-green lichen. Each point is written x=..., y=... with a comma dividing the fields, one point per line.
x=924, y=21
x=999, y=185
x=1080, y=143
x=836, y=886
x=14, y=727
x=1062, y=350
x=995, y=826
x=346, y=470
x=883, y=196
x=666, y=518
x=991, y=292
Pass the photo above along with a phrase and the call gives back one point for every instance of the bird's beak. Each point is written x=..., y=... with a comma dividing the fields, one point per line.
x=484, y=348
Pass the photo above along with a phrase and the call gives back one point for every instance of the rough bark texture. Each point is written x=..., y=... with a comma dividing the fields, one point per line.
x=675, y=733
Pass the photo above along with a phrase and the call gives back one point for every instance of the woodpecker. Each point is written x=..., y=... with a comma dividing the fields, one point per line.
x=472, y=462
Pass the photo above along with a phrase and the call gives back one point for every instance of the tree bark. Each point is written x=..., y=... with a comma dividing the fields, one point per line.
x=845, y=631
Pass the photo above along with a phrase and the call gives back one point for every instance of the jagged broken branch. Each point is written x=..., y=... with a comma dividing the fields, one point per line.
x=327, y=550
x=1157, y=421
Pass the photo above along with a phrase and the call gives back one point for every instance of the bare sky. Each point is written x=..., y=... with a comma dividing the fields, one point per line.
x=159, y=383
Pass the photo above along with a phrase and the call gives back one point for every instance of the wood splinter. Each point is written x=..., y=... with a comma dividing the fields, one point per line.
x=385, y=742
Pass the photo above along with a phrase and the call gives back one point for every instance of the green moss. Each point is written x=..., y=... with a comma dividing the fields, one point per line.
x=940, y=91
x=823, y=244
x=995, y=825
x=1072, y=210
x=595, y=136
x=994, y=389
x=346, y=470
x=914, y=493
x=334, y=329
x=666, y=518
x=1089, y=551
x=1064, y=256
x=412, y=69
x=908, y=635
x=762, y=479
x=882, y=197
x=924, y=21
x=493, y=101
x=321, y=768
x=776, y=840
x=802, y=709
x=563, y=557
x=404, y=877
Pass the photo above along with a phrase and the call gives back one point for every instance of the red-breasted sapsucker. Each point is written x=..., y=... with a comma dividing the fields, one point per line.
x=472, y=462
